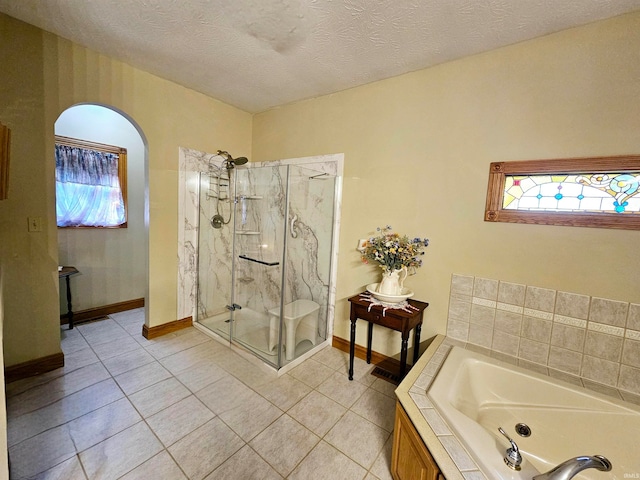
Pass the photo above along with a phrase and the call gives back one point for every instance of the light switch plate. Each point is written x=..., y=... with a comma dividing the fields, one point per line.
x=35, y=224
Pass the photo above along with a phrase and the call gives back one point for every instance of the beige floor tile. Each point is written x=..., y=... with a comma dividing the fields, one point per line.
x=284, y=392
x=180, y=419
x=71, y=340
x=311, y=372
x=224, y=394
x=51, y=447
x=101, y=332
x=247, y=465
x=251, y=416
x=134, y=329
x=128, y=316
x=21, y=386
x=64, y=410
x=357, y=438
x=161, y=467
x=317, y=412
x=126, y=361
x=284, y=444
x=204, y=402
x=361, y=372
x=377, y=408
x=159, y=396
x=250, y=374
x=205, y=449
x=339, y=388
x=115, y=347
x=201, y=375
x=121, y=453
x=79, y=358
x=187, y=359
x=333, y=358
x=100, y=424
x=67, y=470
x=56, y=389
x=182, y=341
x=381, y=468
x=326, y=462
x=385, y=387
x=142, y=377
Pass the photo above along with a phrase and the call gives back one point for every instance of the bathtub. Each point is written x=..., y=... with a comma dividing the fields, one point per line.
x=476, y=394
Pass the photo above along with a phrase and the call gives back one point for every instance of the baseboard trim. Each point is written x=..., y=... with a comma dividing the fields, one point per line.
x=159, y=330
x=33, y=367
x=97, y=312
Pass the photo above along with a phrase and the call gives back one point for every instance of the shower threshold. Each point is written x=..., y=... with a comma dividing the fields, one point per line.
x=251, y=333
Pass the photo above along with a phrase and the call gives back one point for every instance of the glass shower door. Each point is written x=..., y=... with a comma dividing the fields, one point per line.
x=264, y=258
x=259, y=227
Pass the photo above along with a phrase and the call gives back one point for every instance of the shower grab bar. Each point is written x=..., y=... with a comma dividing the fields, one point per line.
x=269, y=264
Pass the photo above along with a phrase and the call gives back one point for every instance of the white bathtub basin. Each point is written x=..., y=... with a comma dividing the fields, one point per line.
x=476, y=394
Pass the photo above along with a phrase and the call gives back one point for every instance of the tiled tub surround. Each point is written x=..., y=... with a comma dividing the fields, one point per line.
x=588, y=341
x=447, y=450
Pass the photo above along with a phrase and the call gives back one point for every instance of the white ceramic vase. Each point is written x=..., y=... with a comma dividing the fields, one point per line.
x=392, y=281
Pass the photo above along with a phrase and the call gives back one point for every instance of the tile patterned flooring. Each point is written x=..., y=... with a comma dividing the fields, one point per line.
x=184, y=406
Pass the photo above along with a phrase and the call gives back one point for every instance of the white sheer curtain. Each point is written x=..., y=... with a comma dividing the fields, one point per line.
x=88, y=189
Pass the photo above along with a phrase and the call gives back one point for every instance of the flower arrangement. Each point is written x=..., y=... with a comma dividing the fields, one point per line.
x=394, y=251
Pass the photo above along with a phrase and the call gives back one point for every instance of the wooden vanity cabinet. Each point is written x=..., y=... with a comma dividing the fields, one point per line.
x=410, y=458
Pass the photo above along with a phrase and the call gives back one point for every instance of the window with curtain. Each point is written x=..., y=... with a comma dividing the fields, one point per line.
x=90, y=184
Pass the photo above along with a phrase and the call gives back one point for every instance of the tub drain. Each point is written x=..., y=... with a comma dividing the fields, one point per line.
x=523, y=429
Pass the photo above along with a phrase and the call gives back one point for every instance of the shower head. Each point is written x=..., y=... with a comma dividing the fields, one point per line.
x=231, y=162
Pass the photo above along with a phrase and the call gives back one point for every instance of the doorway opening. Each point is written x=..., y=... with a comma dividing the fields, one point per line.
x=112, y=262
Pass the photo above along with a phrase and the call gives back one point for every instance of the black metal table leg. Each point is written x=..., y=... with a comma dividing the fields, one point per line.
x=69, y=308
x=369, y=340
x=416, y=342
x=352, y=347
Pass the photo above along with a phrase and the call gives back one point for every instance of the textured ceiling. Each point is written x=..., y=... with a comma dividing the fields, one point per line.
x=257, y=54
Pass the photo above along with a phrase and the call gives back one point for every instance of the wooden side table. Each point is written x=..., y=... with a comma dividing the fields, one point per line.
x=65, y=273
x=396, y=319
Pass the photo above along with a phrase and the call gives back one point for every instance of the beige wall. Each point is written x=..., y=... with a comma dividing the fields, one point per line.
x=417, y=152
x=29, y=260
x=47, y=75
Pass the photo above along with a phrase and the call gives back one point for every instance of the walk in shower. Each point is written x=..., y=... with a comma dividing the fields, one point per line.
x=264, y=255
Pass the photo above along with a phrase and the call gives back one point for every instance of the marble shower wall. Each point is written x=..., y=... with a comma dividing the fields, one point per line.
x=215, y=246
x=191, y=163
x=261, y=195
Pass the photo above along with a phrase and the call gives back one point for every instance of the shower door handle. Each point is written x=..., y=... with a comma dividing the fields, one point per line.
x=294, y=233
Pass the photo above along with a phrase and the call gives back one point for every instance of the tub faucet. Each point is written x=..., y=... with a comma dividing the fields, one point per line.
x=573, y=466
x=512, y=456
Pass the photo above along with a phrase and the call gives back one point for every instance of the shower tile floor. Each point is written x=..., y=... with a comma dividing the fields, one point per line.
x=184, y=406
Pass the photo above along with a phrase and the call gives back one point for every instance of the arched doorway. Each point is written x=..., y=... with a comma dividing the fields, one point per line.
x=113, y=262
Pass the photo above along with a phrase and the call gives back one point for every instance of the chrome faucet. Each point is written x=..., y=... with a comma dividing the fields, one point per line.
x=573, y=466
x=512, y=456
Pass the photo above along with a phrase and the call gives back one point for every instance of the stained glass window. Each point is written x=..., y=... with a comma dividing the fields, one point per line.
x=597, y=192
x=585, y=192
